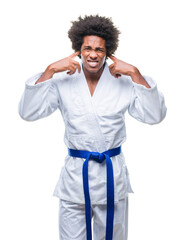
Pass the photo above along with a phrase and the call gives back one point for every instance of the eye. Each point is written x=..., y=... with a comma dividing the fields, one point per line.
x=100, y=50
x=87, y=48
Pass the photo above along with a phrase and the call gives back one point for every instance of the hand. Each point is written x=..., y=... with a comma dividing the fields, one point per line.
x=67, y=63
x=119, y=67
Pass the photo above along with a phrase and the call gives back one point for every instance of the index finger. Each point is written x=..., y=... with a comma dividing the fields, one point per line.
x=113, y=58
x=75, y=54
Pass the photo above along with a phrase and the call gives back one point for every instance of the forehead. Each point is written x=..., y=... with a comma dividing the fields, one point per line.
x=93, y=41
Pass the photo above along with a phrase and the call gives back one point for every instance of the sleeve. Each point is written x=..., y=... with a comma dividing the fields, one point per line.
x=147, y=104
x=38, y=100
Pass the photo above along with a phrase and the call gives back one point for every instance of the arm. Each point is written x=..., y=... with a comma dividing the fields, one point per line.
x=40, y=97
x=39, y=100
x=67, y=63
x=119, y=67
x=147, y=103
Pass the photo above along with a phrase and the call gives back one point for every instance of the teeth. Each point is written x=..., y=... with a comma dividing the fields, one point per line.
x=93, y=64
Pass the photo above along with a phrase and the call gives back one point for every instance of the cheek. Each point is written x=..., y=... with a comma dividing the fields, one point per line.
x=103, y=60
x=82, y=59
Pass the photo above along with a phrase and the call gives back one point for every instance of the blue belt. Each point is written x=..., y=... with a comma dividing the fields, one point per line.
x=98, y=157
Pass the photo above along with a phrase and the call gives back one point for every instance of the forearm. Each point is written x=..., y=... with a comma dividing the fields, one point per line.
x=138, y=78
x=47, y=74
x=120, y=67
x=65, y=64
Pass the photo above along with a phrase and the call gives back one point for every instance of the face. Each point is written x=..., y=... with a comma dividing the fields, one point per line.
x=93, y=53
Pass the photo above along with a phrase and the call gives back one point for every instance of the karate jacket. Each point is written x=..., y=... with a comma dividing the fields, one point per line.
x=93, y=123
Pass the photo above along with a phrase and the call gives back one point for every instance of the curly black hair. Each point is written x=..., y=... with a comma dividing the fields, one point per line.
x=97, y=26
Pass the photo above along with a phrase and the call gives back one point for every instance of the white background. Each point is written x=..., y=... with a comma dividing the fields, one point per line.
x=33, y=35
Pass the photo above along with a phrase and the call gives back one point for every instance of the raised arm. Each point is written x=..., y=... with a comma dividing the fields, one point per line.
x=66, y=64
x=147, y=103
x=119, y=67
x=40, y=97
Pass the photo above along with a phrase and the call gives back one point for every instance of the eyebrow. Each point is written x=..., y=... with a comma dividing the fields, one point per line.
x=98, y=48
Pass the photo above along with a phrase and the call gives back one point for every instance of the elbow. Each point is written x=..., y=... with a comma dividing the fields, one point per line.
x=27, y=110
x=26, y=115
x=23, y=112
x=157, y=117
x=26, y=118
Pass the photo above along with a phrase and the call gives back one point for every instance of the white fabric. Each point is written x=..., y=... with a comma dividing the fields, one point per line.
x=92, y=123
x=72, y=225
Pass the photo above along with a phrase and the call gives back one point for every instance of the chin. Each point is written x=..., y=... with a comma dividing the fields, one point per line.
x=93, y=70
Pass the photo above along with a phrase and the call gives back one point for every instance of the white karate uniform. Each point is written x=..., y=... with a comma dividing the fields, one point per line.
x=92, y=123
x=72, y=223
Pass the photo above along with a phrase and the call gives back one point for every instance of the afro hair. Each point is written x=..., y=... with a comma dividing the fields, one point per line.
x=94, y=26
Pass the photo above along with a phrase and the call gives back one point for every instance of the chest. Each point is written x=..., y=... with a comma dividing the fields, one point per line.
x=107, y=97
x=92, y=86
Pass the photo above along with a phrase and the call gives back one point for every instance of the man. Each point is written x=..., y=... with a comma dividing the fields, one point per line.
x=93, y=98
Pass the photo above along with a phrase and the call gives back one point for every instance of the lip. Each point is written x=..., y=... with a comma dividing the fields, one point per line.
x=92, y=63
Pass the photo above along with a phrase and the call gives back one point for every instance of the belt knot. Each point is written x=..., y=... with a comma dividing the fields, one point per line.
x=99, y=157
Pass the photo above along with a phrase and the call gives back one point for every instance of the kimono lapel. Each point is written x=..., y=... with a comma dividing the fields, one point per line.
x=99, y=85
x=91, y=101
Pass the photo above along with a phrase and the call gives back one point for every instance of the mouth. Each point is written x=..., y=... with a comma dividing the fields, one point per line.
x=92, y=63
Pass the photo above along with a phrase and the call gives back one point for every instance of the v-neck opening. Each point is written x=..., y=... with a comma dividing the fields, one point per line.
x=94, y=89
x=97, y=85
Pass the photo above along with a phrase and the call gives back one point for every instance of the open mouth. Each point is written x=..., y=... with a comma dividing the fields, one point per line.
x=92, y=63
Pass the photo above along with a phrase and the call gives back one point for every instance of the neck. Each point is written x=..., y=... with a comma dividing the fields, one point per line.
x=93, y=77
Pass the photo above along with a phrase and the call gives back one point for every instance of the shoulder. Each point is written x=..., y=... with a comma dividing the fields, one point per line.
x=62, y=78
x=124, y=80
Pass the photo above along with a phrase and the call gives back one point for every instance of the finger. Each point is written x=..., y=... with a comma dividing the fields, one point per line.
x=77, y=66
x=73, y=68
x=75, y=54
x=113, y=58
x=118, y=75
x=70, y=72
x=111, y=66
x=112, y=69
x=114, y=73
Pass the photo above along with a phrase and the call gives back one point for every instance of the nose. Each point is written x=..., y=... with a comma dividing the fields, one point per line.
x=93, y=54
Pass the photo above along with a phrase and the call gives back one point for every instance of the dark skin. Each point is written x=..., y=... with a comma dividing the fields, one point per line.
x=93, y=55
